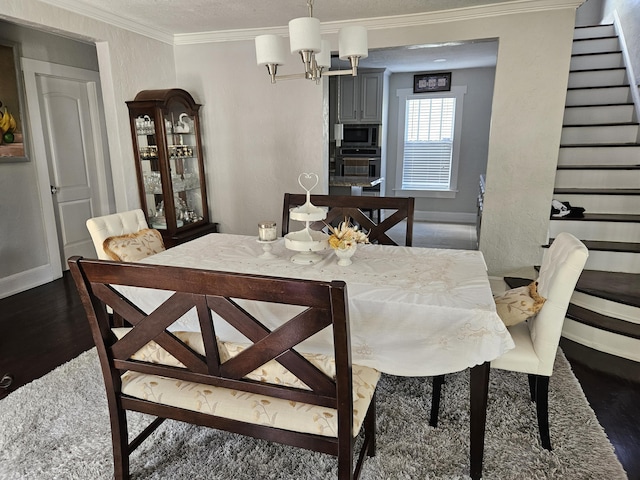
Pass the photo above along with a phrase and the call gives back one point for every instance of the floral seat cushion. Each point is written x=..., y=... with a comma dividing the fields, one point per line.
x=244, y=406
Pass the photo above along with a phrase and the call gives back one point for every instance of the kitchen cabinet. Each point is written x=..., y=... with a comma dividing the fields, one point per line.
x=167, y=148
x=360, y=97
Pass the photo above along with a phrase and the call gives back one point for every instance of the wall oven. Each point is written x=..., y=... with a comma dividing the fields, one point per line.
x=359, y=162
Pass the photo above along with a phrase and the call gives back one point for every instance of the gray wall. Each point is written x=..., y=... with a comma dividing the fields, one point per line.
x=476, y=122
x=23, y=244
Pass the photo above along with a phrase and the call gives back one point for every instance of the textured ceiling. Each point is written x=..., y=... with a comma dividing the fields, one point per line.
x=192, y=16
x=175, y=17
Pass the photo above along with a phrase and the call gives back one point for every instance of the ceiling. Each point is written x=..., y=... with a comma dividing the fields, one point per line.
x=189, y=17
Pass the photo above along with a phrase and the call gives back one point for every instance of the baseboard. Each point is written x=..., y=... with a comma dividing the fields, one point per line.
x=445, y=217
x=25, y=280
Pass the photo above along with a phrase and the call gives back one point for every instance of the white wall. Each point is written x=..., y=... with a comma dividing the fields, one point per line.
x=128, y=63
x=628, y=11
x=22, y=234
x=258, y=137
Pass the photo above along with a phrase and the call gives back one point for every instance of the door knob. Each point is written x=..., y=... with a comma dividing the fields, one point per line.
x=54, y=190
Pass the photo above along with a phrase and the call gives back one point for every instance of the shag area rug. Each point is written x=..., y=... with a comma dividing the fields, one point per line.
x=57, y=427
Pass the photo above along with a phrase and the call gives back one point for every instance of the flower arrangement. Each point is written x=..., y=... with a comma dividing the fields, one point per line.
x=345, y=235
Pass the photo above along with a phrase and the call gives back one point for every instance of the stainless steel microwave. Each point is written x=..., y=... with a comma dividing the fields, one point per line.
x=360, y=136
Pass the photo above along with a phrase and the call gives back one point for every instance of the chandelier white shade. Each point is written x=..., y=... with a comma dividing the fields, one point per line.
x=270, y=49
x=352, y=42
x=304, y=35
x=304, y=38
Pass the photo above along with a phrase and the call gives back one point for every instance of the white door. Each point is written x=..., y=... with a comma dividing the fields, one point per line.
x=69, y=148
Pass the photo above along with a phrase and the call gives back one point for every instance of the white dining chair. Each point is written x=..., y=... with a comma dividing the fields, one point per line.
x=121, y=223
x=536, y=340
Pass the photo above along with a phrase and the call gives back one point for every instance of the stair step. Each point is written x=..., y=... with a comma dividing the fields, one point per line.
x=617, y=287
x=603, y=322
x=593, y=45
x=610, y=180
x=606, y=227
x=598, y=95
x=609, y=246
x=607, y=134
x=614, y=286
x=598, y=114
x=597, y=78
x=627, y=154
x=620, y=204
x=599, y=191
x=594, y=31
x=599, y=167
x=586, y=61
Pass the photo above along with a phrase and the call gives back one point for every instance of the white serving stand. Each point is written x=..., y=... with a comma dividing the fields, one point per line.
x=307, y=241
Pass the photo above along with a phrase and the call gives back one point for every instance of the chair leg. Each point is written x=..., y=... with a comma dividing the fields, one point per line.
x=370, y=426
x=532, y=387
x=435, y=399
x=120, y=440
x=542, y=409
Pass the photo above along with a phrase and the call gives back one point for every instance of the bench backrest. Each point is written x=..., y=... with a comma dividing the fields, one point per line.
x=217, y=292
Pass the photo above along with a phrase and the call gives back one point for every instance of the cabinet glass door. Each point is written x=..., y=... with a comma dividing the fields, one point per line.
x=184, y=165
x=150, y=167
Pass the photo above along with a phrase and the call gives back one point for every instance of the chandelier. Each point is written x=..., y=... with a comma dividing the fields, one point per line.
x=304, y=38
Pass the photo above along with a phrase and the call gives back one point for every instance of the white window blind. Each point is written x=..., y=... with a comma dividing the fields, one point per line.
x=428, y=143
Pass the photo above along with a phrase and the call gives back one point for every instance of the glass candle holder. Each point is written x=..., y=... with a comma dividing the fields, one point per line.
x=267, y=231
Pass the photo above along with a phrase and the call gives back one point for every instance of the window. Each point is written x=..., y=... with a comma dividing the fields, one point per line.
x=429, y=127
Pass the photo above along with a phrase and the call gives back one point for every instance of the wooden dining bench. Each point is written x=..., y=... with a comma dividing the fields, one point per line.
x=266, y=387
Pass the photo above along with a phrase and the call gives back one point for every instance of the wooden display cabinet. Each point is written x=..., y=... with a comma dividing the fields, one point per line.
x=165, y=127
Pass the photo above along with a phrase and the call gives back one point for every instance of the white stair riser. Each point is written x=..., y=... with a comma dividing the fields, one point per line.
x=596, y=45
x=598, y=96
x=599, y=60
x=601, y=134
x=599, y=155
x=594, y=31
x=624, y=262
x=620, y=204
x=598, y=78
x=598, y=115
x=590, y=230
x=597, y=179
x=606, y=307
x=597, y=339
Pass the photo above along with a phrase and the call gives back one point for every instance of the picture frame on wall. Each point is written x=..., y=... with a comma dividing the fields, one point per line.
x=13, y=141
x=432, y=82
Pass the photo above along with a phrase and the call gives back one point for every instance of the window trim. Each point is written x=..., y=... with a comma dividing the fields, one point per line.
x=405, y=94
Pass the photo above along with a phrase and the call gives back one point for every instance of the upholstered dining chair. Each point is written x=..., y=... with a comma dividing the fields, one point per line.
x=536, y=339
x=354, y=207
x=127, y=230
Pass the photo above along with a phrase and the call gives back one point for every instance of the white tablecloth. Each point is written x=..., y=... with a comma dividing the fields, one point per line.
x=412, y=311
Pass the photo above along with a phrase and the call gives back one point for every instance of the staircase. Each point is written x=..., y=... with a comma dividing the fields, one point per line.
x=599, y=170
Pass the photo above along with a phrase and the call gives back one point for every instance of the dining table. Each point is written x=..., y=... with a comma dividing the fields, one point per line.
x=413, y=311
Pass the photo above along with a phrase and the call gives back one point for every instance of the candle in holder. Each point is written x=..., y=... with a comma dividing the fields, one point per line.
x=267, y=231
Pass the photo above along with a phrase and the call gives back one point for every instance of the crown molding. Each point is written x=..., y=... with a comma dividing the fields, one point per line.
x=378, y=23
x=112, y=19
x=397, y=21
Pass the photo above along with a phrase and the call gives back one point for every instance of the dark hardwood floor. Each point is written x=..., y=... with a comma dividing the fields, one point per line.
x=45, y=327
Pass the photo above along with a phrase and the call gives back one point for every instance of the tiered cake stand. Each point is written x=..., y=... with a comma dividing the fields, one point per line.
x=307, y=241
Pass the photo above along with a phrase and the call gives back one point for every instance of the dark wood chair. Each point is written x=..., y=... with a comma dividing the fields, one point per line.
x=207, y=365
x=354, y=207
